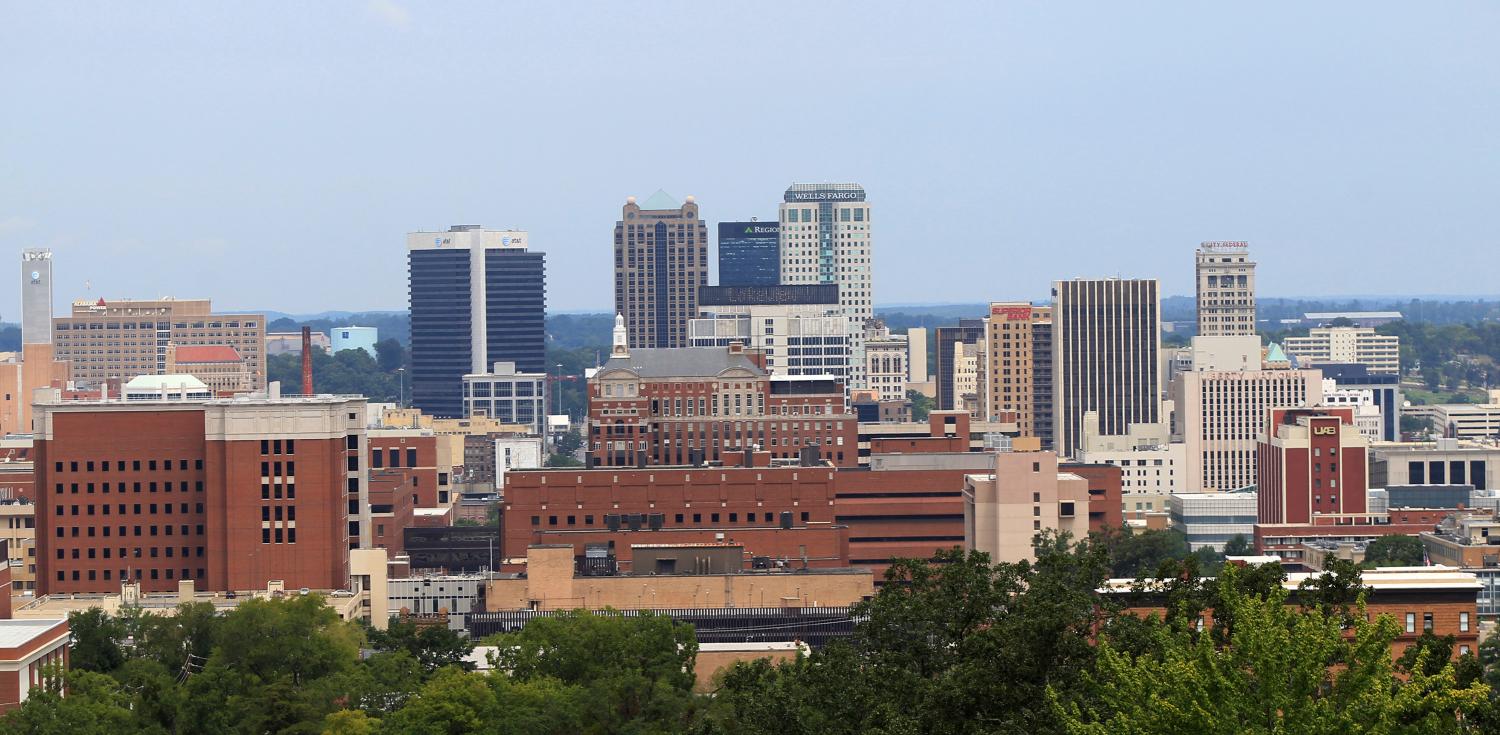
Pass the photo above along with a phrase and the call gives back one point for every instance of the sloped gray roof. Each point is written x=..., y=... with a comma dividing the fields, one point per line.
x=685, y=362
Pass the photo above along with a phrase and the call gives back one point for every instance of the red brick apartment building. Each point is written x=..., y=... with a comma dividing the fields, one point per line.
x=905, y=506
x=229, y=493
x=403, y=476
x=1311, y=469
x=691, y=405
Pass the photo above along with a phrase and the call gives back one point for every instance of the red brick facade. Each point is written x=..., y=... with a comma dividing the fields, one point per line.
x=142, y=493
x=403, y=476
x=683, y=420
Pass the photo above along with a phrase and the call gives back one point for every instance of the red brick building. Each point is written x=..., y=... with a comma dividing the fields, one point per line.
x=228, y=493
x=688, y=406
x=774, y=512
x=27, y=647
x=837, y=517
x=1312, y=470
x=403, y=476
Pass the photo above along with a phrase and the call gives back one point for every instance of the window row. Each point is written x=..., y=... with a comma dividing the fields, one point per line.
x=750, y=517
x=119, y=487
x=135, y=553
x=119, y=465
x=166, y=508
x=72, y=531
x=125, y=574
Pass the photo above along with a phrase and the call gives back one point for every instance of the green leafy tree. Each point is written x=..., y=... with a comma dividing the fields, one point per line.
x=570, y=442
x=1238, y=545
x=432, y=646
x=1394, y=550
x=636, y=672
x=96, y=641
x=1135, y=553
x=95, y=704
x=921, y=405
x=1273, y=674
x=390, y=355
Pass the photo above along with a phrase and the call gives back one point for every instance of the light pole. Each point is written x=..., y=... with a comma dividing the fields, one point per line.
x=401, y=387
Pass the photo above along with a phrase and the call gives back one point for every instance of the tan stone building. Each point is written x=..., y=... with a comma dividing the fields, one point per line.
x=1017, y=338
x=661, y=258
x=1026, y=494
x=1226, y=289
x=551, y=584
x=124, y=338
x=220, y=367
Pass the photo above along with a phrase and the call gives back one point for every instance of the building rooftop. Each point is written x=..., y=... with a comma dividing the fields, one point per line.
x=682, y=362
x=1382, y=578
x=1330, y=315
x=206, y=353
x=660, y=200
x=176, y=382
x=17, y=633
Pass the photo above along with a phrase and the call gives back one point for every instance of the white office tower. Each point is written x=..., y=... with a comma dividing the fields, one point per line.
x=801, y=329
x=825, y=238
x=1221, y=405
x=1226, y=289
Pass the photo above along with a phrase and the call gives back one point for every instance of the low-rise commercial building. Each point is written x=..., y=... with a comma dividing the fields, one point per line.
x=508, y=396
x=1440, y=462
x=1380, y=353
x=1209, y=520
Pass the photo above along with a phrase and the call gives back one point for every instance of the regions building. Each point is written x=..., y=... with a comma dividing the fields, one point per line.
x=661, y=260
x=1106, y=347
x=118, y=340
x=749, y=253
x=826, y=238
x=693, y=405
x=800, y=329
x=477, y=297
x=1360, y=345
x=230, y=494
x=1226, y=289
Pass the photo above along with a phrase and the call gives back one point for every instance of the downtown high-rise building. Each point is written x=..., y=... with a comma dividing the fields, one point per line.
x=661, y=260
x=1106, y=346
x=477, y=297
x=749, y=253
x=1017, y=372
x=826, y=238
x=1226, y=289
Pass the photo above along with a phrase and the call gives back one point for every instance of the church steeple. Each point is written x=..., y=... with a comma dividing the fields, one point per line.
x=620, y=347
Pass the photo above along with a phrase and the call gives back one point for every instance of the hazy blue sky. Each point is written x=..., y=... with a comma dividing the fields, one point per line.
x=273, y=155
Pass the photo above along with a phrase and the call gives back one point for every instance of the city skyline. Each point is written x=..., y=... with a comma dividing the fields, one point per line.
x=1104, y=140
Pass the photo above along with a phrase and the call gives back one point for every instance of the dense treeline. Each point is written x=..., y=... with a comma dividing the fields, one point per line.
x=1450, y=356
x=961, y=646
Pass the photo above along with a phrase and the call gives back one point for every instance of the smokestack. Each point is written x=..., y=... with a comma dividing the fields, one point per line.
x=307, y=386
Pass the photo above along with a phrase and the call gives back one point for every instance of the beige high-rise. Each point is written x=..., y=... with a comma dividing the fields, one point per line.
x=1026, y=494
x=1011, y=371
x=126, y=338
x=661, y=258
x=1226, y=289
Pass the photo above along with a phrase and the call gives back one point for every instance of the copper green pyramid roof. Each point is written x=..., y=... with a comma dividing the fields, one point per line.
x=1275, y=353
x=660, y=200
